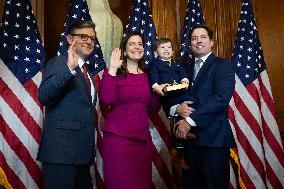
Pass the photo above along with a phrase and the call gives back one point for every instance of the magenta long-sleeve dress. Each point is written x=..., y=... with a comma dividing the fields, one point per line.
x=127, y=142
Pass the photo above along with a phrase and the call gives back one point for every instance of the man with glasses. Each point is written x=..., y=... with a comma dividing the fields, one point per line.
x=213, y=82
x=68, y=93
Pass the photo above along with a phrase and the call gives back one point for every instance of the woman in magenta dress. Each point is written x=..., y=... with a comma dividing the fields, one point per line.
x=127, y=141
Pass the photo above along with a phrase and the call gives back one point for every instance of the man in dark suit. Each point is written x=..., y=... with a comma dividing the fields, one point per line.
x=68, y=93
x=213, y=83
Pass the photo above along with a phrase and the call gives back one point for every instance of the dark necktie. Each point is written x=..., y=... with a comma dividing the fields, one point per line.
x=85, y=73
x=197, y=66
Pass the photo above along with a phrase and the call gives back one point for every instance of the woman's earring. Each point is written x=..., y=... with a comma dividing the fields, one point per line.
x=124, y=54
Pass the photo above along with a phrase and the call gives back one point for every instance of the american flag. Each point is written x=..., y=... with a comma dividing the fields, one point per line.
x=164, y=175
x=259, y=154
x=21, y=58
x=79, y=11
x=141, y=20
x=193, y=16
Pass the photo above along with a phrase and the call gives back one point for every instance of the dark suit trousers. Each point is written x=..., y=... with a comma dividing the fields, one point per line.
x=60, y=176
x=209, y=167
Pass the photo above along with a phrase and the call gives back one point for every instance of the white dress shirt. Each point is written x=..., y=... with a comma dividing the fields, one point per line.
x=81, y=62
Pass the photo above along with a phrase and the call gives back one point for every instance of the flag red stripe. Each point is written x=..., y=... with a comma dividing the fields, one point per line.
x=248, y=149
x=99, y=181
x=252, y=90
x=267, y=97
x=267, y=132
x=165, y=135
x=243, y=174
x=245, y=178
x=251, y=72
x=22, y=152
x=271, y=140
x=272, y=177
x=162, y=129
x=99, y=145
x=247, y=115
x=16, y=105
x=273, y=143
x=99, y=141
x=162, y=168
x=251, y=154
x=99, y=136
x=32, y=89
x=13, y=179
x=231, y=186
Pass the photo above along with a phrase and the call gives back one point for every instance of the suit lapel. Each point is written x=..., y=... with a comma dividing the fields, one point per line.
x=204, y=69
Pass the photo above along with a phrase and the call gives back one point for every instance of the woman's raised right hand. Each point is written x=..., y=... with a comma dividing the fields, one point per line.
x=115, y=61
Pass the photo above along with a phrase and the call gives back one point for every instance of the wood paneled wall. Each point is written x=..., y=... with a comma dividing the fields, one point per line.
x=1, y=10
x=166, y=20
x=221, y=15
x=270, y=16
x=54, y=19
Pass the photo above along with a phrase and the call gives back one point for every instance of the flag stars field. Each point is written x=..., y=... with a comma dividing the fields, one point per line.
x=20, y=75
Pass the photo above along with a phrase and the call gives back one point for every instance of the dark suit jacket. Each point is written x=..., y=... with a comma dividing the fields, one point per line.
x=162, y=72
x=68, y=128
x=212, y=88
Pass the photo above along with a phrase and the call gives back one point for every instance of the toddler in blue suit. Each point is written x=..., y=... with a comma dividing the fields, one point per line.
x=165, y=71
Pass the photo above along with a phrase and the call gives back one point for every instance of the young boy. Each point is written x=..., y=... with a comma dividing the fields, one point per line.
x=165, y=71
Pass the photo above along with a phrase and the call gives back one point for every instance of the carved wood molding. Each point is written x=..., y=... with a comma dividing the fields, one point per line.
x=1, y=10
x=226, y=23
x=38, y=7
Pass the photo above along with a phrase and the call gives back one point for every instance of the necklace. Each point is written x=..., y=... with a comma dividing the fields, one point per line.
x=135, y=71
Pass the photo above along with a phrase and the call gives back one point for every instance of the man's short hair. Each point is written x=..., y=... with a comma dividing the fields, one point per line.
x=162, y=41
x=209, y=31
x=80, y=25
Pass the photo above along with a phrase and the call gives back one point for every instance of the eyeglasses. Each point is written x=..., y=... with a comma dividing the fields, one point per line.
x=85, y=37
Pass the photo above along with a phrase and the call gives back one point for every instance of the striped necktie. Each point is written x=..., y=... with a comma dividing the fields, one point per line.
x=197, y=66
x=85, y=73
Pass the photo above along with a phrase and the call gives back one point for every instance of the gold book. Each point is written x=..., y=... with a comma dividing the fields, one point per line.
x=176, y=87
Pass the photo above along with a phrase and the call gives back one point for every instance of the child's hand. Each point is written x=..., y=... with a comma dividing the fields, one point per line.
x=184, y=81
x=159, y=89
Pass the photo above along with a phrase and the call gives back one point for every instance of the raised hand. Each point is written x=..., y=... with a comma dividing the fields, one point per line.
x=115, y=61
x=73, y=57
